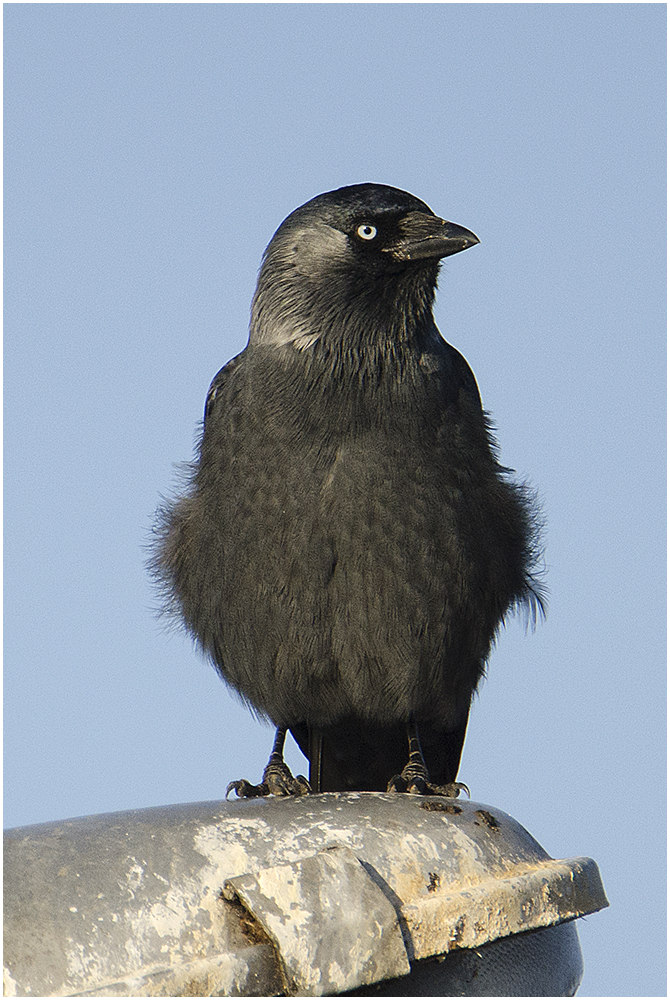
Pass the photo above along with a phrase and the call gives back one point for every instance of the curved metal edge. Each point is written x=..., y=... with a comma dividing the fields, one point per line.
x=539, y=896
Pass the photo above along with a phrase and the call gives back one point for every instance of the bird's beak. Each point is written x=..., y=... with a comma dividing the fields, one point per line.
x=429, y=236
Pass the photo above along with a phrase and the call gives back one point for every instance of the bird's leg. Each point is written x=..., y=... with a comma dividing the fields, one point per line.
x=277, y=777
x=414, y=776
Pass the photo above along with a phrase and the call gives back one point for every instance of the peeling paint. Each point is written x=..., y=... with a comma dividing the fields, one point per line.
x=332, y=926
x=9, y=985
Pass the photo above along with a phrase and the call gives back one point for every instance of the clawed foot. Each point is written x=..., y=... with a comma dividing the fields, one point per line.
x=277, y=779
x=417, y=784
x=414, y=777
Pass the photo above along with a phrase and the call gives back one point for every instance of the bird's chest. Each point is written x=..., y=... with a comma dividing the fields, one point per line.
x=345, y=463
x=353, y=487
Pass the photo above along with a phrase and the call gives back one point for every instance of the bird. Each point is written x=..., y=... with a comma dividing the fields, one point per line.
x=347, y=545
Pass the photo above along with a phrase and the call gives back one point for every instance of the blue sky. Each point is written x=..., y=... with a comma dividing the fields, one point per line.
x=151, y=150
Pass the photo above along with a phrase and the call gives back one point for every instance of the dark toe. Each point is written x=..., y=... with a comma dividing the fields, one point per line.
x=278, y=779
x=413, y=783
x=451, y=790
x=245, y=790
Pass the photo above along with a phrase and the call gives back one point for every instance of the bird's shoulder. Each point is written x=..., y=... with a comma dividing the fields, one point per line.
x=456, y=375
x=223, y=386
x=281, y=393
x=248, y=384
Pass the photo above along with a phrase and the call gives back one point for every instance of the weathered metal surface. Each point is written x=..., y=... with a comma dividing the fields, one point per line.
x=534, y=896
x=333, y=927
x=131, y=904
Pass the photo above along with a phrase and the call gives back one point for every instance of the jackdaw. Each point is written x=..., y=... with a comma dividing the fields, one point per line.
x=348, y=545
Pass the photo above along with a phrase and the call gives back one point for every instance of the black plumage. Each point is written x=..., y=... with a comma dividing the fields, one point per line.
x=348, y=544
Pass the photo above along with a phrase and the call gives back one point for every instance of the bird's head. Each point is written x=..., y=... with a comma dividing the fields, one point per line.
x=356, y=261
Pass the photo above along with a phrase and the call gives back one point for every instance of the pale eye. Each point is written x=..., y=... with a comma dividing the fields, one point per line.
x=366, y=231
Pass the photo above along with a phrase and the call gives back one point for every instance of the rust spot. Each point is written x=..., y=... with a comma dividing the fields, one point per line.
x=250, y=927
x=435, y=805
x=457, y=932
x=433, y=882
x=490, y=820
